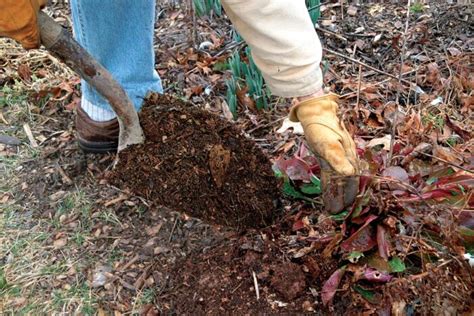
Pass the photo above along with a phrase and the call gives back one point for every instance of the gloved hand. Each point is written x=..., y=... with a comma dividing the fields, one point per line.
x=326, y=134
x=18, y=21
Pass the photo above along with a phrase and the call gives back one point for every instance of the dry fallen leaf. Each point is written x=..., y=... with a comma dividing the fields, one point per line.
x=59, y=243
x=24, y=72
x=219, y=159
x=446, y=154
x=4, y=199
x=17, y=301
x=152, y=231
x=396, y=172
x=244, y=99
x=352, y=10
x=385, y=141
x=454, y=51
x=296, y=126
x=57, y=195
x=226, y=111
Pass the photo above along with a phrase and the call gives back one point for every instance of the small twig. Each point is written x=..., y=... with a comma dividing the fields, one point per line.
x=397, y=110
x=255, y=284
x=144, y=201
x=29, y=134
x=331, y=33
x=194, y=32
x=265, y=125
x=120, y=198
x=388, y=179
x=446, y=162
x=63, y=174
x=141, y=280
x=51, y=136
x=128, y=264
x=445, y=263
x=358, y=88
x=315, y=7
x=365, y=65
x=342, y=9
x=359, y=35
x=2, y=118
x=237, y=287
x=172, y=230
x=351, y=94
x=229, y=47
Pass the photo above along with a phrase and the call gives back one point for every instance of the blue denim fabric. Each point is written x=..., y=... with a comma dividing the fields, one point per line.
x=119, y=34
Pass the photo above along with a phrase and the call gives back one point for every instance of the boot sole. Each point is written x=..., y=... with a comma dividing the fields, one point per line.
x=97, y=147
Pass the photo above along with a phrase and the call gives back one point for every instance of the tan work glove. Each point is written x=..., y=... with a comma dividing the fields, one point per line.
x=326, y=134
x=18, y=20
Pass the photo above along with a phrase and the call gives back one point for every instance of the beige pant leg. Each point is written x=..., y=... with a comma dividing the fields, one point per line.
x=284, y=43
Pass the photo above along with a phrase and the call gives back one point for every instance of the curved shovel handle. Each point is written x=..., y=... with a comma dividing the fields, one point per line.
x=61, y=44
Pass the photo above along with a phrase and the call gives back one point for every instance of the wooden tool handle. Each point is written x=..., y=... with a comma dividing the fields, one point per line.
x=61, y=44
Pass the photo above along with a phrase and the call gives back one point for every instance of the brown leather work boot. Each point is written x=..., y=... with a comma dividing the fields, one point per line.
x=96, y=137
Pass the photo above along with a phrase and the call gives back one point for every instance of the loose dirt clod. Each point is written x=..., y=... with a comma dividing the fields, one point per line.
x=196, y=162
x=288, y=280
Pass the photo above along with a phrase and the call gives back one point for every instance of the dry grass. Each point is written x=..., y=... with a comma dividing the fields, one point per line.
x=32, y=269
x=48, y=243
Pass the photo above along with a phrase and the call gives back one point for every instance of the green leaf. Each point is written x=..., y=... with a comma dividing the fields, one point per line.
x=250, y=76
x=361, y=204
x=221, y=66
x=438, y=174
x=325, y=66
x=467, y=235
x=277, y=173
x=290, y=191
x=231, y=96
x=397, y=265
x=369, y=295
x=3, y=280
x=314, y=9
x=354, y=256
x=357, y=211
x=217, y=7
x=310, y=189
x=315, y=180
x=199, y=7
x=466, y=231
x=205, y=7
x=340, y=216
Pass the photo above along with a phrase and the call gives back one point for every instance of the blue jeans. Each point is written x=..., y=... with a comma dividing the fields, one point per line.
x=119, y=34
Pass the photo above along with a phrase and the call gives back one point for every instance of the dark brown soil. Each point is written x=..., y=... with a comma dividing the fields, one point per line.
x=220, y=281
x=195, y=162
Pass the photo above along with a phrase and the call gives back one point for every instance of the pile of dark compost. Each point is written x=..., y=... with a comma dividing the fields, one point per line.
x=196, y=162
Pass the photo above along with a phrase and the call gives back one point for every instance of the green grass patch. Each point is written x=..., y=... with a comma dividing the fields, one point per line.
x=3, y=280
x=314, y=9
x=109, y=217
x=12, y=97
x=147, y=296
x=417, y=7
x=78, y=297
x=437, y=120
x=206, y=7
x=246, y=79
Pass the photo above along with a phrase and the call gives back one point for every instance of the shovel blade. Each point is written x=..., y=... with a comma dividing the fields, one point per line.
x=339, y=191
